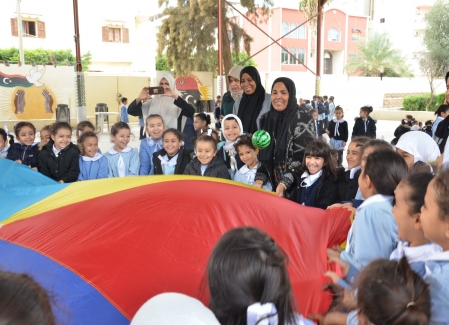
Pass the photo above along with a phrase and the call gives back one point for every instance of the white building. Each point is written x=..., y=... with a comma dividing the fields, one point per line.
x=117, y=33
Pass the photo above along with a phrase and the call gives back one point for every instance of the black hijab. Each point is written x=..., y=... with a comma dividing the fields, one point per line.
x=251, y=105
x=277, y=124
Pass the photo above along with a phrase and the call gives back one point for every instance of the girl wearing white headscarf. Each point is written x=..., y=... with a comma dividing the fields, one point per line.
x=172, y=107
x=229, y=98
x=418, y=151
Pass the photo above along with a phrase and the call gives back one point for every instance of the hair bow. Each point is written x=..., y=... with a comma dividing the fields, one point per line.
x=259, y=314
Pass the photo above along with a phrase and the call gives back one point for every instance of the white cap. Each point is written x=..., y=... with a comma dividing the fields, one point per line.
x=174, y=308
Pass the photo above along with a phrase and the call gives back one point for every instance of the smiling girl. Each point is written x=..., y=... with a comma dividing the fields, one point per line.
x=173, y=157
x=122, y=159
x=232, y=129
x=93, y=165
x=25, y=151
x=155, y=128
x=59, y=158
x=338, y=133
x=207, y=162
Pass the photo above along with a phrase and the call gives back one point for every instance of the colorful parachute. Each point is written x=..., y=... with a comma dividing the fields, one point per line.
x=104, y=247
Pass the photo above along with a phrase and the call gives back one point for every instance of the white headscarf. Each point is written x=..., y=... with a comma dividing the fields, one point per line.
x=420, y=145
x=235, y=73
x=229, y=145
x=446, y=155
x=163, y=105
x=174, y=308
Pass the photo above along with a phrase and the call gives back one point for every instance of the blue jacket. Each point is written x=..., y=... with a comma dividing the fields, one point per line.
x=124, y=114
x=94, y=169
x=29, y=155
x=437, y=277
x=373, y=234
x=147, y=147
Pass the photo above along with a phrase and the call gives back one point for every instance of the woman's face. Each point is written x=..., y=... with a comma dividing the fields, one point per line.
x=164, y=83
x=279, y=96
x=234, y=83
x=248, y=84
x=409, y=158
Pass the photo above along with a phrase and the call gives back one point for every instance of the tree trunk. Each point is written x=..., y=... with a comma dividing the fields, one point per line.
x=432, y=91
x=226, y=49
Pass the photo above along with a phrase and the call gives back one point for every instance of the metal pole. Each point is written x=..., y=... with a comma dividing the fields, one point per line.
x=318, y=48
x=20, y=32
x=80, y=89
x=220, y=47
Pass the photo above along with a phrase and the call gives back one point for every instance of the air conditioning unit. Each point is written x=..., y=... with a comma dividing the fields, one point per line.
x=415, y=33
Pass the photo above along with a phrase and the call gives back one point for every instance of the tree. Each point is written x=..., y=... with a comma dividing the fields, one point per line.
x=310, y=9
x=240, y=57
x=378, y=58
x=161, y=63
x=188, y=33
x=435, y=62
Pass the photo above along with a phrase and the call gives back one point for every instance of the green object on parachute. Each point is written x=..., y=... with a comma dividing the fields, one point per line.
x=261, y=139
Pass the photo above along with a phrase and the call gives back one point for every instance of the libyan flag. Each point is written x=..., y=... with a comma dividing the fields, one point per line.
x=14, y=80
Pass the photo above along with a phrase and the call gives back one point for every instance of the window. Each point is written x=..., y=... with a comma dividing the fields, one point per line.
x=284, y=57
x=294, y=33
x=285, y=29
x=301, y=56
x=302, y=31
x=292, y=57
x=355, y=37
x=333, y=35
x=30, y=28
x=115, y=35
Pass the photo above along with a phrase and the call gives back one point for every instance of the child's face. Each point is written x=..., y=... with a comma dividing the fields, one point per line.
x=121, y=139
x=231, y=129
x=155, y=128
x=171, y=143
x=406, y=222
x=26, y=136
x=314, y=164
x=368, y=151
x=315, y=115
x=409, y=159
x=62, y=138
x=198, y=124
x=363, y=114
x=338, y=114
x=90, y=146
x=248, y=156
x=435, y=229
x=2, y=143
x=45, y=136
x=205, y=152
x=365, y=185
x=354, y=155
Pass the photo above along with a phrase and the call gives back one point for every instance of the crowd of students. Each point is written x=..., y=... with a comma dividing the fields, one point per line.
x=395, y=265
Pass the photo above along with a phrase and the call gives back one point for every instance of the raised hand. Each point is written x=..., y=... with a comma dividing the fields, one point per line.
x=143, y=95
x=19, y=102
x=48, y=101
x=170, y=93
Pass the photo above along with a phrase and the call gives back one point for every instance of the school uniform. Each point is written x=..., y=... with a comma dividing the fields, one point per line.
x=165, y=165
x=437, y=276
x=4, y=152
x=348, y=183
x=123, y=163
x=372, y=235
x=327, y=113
x=318, y=128
x=216, y=168
x=60, y=165
x=29, y=155
x=124, y=114
x=147, y=147
x=232, y=160
x=93, y=167
x=246, y=176
x=364, y=127
x=338, y=133
x=435, y=124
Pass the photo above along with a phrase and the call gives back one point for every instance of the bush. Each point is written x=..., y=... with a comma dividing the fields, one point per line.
x=419, y=102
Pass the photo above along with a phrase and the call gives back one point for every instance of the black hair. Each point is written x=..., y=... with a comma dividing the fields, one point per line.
x=313, y=110
x=442, y=109
x=207, y=138
x=325, y=97
x=247, y=266
x=21, y=125
x=204, y=131
x=339, y=108
x=83, y=137
x=174, y=131
x=307, y=101
x=119, y=126
x=3, y=134
x=244, y=140
x=417, y=185
x=428, y=122
x=319, y=148
x=390, y=293
x=447, y=77
x=60, y=125
x=149, y=117
x=361, y=141
x=367, y=109
x=124, y=99
x=23, y=301
x=441, y=186
x=390, y=165
x=81, y=125
x=204, y=117
x=378, y=144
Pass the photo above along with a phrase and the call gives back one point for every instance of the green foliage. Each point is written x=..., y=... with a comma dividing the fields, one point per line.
x=60, y=57
x=420, y=102
x=161, y=63
x=240, y=57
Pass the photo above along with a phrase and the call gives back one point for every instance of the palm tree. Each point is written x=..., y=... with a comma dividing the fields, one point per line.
x=378, y=58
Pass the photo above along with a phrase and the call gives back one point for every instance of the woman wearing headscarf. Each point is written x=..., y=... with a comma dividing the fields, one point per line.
x=291, y=128
x=418, y=150
x=254, y=102
x=172, y=107
x=236, y=92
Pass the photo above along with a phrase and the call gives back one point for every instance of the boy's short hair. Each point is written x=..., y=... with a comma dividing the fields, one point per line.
x=313, y=111
x=124, y=99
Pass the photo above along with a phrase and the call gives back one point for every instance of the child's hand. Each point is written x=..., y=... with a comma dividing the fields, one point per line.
x=333, y=206
x=33, y=168
x=18, y=161
x=332, y=253
x=344, y=266
x=280, y=190
x=258, y=184
x=61, y=182
x=333, y=275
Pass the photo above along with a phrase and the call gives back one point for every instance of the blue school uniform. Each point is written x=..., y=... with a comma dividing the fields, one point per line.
x=372, y=235
x=124, y=163
x=93, y=167
x=4, y=152
x=147, y=147
x=124, y=114
x=437, y=276
x=246, y=176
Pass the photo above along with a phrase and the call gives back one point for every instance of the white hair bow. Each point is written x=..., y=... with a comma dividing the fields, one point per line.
x=259, y=314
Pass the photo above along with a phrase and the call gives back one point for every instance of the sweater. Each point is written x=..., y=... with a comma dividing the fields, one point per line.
x=227, y=104
x=216, y=168
x=64, y=167
x=347, y=186
x=147, y=147
x=181, y=163
x=93, y=168
x=359, y=128
x=342, y=133
x=29, y=155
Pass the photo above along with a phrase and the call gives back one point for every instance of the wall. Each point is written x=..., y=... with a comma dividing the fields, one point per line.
x=334, y=19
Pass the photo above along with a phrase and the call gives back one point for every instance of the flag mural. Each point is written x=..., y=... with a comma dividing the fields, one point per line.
x=109, y=245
